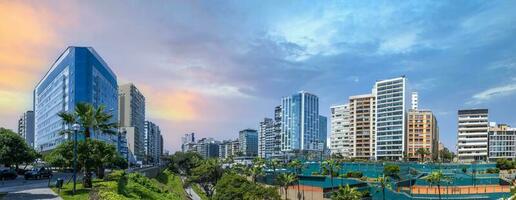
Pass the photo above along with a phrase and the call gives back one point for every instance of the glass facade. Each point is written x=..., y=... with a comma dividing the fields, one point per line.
x=248, y=139
x=300, y=122
x=78, y=75
x=390, y=118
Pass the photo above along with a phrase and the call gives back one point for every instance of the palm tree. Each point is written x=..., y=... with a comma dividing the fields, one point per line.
x=90, y=119
x=384, y=182
x=346, y=193
x=297, y=165
x=255, y=171
x=273, y=163
x=331, y=166
x=285, y=180
x=435, y=178
x=422, y=152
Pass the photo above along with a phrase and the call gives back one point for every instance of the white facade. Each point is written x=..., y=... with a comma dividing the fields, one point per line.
x=131, y=108
x=341, y=142
x=390, y=118
x=415, y=101
x=502, y=142
x=472, y=135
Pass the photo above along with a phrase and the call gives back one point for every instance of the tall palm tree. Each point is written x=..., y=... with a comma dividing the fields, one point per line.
x=436, y=178
x=273, y=163
x=332, y=167
x=297, y=165
x=285, y=180
x=255, y=171
x=90, y=119
x=384, y=182
x=422, y=152
x=346, y=193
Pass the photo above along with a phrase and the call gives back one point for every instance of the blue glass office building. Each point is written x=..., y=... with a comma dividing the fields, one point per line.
x=78, y=75
x=300, y=122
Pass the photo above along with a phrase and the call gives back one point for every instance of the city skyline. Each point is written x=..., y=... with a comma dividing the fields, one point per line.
x=202, y=68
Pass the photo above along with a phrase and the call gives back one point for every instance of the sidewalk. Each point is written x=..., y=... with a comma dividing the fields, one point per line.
x=35, y=193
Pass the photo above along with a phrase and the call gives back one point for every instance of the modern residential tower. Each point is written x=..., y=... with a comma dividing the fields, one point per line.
x=390, y=118
x=472, y=135
x=340, y=138
x=300, y=123
x=248, y=139
x=132, y=119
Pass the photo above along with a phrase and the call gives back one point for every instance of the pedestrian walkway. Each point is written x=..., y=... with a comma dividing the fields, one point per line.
x=35, y=193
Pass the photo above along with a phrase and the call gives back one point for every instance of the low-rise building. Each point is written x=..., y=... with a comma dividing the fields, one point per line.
x=502, y=142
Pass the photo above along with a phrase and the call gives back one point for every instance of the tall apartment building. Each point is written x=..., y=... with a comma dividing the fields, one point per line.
x=415, y=101
x=278, y=116
x=132, y=118
x=26, y=127
x=340, y=138
x=362, y=115
x=502, y=142
x=207, y=148
x=78, y=75
x=248, y=139
x=300, y=123
x=323, y=132
x=390, y=118
x=187, y=142
x=422, y=132
x=152, y=143
x=472, y=135
x=266, y=138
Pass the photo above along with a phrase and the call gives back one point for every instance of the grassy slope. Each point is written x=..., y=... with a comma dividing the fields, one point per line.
x=199, y=191
x=170, y=188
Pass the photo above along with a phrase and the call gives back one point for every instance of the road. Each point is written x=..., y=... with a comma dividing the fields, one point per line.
x=191, y=193
x=31, y=189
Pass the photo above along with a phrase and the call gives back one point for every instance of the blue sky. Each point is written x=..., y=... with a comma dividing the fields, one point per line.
x=216, y=67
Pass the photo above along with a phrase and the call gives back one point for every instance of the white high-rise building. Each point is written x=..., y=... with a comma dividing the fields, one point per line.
x=390, y=118
x=472, y=135
x=341, y=142
x=415, y=101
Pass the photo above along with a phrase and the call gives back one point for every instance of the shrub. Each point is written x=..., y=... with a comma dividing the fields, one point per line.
x=493, y=171
x=115, y=175
x=391, y=170
x=354, y=174
x=109, y=195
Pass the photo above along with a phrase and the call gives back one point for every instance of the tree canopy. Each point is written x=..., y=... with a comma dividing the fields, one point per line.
x=14, y=150
x=234, y=186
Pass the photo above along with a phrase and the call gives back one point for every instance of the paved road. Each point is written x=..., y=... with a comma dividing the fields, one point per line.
x=30, y=189
x=191, y=193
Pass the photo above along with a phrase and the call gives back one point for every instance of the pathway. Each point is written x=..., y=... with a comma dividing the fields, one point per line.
x=34, y=193
x=191, y=193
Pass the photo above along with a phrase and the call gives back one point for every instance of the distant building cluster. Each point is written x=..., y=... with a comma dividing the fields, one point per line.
x=81, y=75
x=295, y=128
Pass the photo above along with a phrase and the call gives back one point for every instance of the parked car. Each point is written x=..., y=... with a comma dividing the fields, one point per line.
x=8, y=174
x=38, y=173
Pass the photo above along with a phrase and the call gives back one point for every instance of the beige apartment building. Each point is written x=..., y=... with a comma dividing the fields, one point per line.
x=362, y=125
x=422, y=132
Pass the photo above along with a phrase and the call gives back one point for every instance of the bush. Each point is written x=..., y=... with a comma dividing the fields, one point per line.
x=493, y=171
x=316, y=174
x=391, y=170
x=505, y=164
x=115, y=175
x=109, y=195
x=354, y=174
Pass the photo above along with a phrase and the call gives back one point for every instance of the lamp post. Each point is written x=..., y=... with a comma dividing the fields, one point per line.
x=75, y=128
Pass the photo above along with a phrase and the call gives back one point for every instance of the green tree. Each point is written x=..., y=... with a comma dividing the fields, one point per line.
x=96, y=154
x=285, y=180
x=14, y=150
x=385, y=183
x=183, y=162
x=234, y=186
x=346, y=193
x=391, y=170
x=91, y=120
x=445, y=155
x=436, y=178
x=331, y=167
x=422, y=153
x=297, y=165
x=207, y=174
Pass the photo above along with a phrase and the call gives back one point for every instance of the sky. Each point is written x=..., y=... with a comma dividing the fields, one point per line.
x=217, y=67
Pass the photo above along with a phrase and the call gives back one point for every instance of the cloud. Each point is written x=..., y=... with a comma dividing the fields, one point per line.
x=493, y=93
x=402, y=43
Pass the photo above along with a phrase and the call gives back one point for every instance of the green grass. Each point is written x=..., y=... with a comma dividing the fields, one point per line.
x=130, y=186
x=199, y=191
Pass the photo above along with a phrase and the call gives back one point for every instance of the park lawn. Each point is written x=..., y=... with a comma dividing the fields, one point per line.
x=81, y=192
x=199, y=191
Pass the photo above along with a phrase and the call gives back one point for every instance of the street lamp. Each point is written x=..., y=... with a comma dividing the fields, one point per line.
x=75, y=128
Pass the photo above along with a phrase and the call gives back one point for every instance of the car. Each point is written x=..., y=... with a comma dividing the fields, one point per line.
x=38, y=173
x=8, y=174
